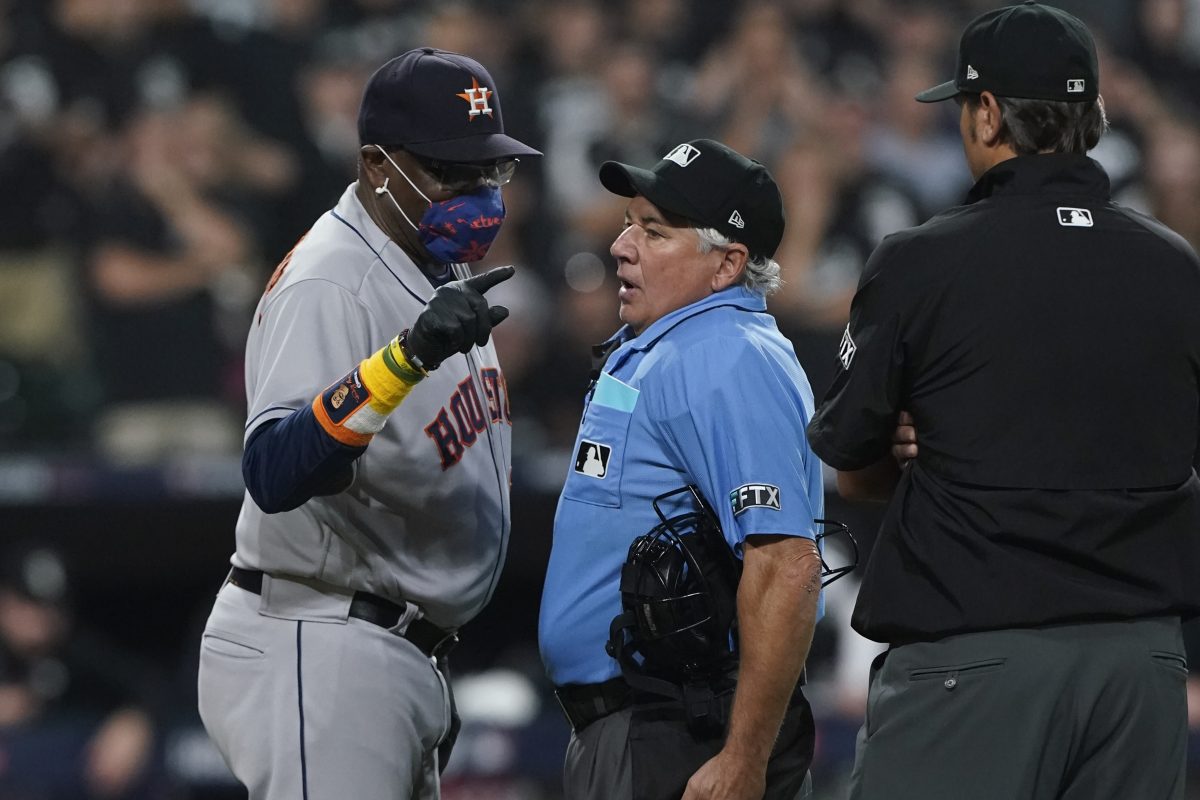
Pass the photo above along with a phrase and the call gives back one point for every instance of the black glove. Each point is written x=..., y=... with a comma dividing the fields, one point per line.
x=456, y=319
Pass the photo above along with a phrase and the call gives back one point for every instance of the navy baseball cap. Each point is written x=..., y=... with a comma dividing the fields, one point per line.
x=706, y=182
x=1030, y=51
x=439, y=105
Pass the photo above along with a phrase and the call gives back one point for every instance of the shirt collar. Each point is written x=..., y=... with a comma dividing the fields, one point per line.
x=351, y=209
x=738, y=296
x=1048, y=173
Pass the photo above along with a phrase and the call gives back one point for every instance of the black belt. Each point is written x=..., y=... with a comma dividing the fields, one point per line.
x=584, y=703
x=429, y=638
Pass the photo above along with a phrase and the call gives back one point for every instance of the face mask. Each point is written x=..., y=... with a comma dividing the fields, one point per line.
x=458, y=230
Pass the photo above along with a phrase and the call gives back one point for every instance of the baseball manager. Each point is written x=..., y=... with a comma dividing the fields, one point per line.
x=377, y=456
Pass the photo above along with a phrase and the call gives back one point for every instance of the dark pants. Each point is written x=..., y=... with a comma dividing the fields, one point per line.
x=646, y=753
x=1068, y=712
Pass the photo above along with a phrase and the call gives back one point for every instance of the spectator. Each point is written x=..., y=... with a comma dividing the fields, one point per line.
x=167, y=245
x=76, y=719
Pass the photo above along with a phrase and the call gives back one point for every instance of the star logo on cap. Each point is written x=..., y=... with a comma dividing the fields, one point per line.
x=477, y=98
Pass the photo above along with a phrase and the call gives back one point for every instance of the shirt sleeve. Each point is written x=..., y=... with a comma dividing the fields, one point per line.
x=853, y=425
x=313, y=333
x=289, y=461
x=739, y=434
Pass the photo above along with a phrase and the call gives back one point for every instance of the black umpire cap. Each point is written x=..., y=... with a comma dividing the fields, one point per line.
x=1029, y=51
x=706, y=182
x=439, y=105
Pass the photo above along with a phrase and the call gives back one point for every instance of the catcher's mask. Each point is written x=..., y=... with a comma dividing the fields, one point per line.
x=679, y=594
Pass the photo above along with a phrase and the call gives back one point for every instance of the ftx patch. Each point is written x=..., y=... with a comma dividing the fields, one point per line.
x=754, y=495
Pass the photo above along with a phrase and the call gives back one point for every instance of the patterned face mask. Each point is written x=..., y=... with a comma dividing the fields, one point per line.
x=459, y=230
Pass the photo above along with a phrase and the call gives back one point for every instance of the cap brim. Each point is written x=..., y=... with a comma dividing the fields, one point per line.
x=468, y=149
x=936, y=94
x=630, y=181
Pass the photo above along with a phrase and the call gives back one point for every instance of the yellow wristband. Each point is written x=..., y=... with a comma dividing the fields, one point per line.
x=389, y=377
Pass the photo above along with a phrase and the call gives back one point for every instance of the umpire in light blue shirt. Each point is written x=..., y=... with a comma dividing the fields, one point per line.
x=699, y=389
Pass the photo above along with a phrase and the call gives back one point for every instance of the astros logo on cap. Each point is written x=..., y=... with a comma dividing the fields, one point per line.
x=477, y=97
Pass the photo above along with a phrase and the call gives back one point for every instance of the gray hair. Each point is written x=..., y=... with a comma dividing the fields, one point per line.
x=762, y=273
x=1046, y=126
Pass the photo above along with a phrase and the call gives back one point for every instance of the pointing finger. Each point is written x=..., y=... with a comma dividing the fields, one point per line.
x=481, y=283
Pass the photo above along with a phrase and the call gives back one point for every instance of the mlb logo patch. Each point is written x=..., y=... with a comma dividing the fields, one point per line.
x=1075, y=86
x=1074, y=217
x=592, y=459
x=846, y=349
x=754, y=495
x=683, y=155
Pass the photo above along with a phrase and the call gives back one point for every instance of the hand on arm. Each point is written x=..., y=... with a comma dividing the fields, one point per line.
x=777, y=612
x=904, y=440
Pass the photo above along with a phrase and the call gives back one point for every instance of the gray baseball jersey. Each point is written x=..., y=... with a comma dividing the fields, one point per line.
x=426, y=518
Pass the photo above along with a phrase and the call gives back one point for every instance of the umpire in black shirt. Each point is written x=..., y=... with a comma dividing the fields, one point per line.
x=1040, y=549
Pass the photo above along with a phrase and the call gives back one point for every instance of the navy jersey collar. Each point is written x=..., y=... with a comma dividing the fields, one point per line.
x=737, y=296
x=1049, y=173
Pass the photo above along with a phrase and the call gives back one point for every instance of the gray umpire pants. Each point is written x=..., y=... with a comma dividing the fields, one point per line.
x=1068, y=712
x=599, y=766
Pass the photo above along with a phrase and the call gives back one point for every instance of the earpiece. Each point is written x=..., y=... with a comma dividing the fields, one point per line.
x=383, y=189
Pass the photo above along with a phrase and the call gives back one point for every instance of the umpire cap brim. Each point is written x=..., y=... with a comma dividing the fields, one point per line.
x=936, y=94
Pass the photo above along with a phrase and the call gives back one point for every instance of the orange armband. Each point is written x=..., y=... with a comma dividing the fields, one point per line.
x=357, y=407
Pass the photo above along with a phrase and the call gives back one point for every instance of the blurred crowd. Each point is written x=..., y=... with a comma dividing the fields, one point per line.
x=159, y=157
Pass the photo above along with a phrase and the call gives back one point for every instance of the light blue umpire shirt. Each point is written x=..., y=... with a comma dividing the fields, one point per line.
x=711, y=394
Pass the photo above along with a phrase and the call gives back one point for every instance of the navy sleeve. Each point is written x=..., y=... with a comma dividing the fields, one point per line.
x=290, y=460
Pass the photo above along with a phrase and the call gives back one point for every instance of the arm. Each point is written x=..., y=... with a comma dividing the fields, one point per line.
x=777, y=612
x=873, y=484
x=877, y=482
x=311, y=451
x=291, y=460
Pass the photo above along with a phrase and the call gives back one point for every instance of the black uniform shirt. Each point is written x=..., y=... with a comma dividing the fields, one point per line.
x=1047, y=342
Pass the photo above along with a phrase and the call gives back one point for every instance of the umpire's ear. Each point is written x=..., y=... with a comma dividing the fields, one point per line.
x=732, y=267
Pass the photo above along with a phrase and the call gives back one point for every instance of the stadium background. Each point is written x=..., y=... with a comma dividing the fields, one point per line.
x=157, y=159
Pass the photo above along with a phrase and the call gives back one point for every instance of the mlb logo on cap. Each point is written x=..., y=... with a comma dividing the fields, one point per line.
x=1076, y=86
x=708, y=183
x=682, y=155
